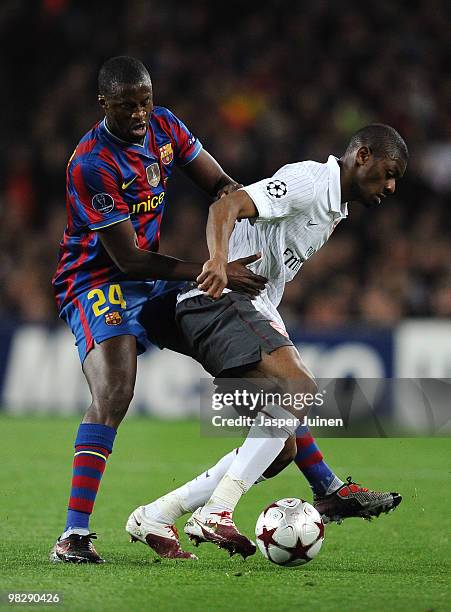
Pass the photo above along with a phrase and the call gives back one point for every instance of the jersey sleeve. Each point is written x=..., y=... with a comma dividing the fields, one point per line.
x=187, y=146
x=95, y=190
x=289, y=191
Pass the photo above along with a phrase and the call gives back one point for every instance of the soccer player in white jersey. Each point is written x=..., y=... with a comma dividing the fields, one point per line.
x=287, y=218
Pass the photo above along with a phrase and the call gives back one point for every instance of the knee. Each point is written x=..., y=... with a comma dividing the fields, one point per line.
x=302, y=390
x=112, y=399
x=302, y=383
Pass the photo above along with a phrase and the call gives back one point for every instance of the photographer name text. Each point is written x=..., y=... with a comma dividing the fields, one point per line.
x=247, y=421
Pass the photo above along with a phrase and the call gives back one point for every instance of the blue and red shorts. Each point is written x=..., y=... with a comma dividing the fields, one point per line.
x=144, y=309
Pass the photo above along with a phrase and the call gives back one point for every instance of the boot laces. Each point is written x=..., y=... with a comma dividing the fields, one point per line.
x=225, y=517
x=84, y=541
x=356, y=484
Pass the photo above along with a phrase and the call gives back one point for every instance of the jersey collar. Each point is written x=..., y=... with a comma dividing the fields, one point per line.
x=124, y=143
x=336, y=207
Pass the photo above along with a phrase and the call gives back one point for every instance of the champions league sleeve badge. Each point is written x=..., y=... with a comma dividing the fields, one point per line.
x=102, y=203
x=276, y=189
x=153, y=174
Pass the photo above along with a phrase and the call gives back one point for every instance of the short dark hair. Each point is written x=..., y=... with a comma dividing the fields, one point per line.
x=119, y=71
x=382, y=140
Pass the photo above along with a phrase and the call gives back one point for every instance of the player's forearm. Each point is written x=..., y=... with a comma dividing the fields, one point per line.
x=142, y=265
x=225, y=185
x=221, y=220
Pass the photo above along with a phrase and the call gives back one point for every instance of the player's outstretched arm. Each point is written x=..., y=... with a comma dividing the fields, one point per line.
x=221, y=220
x=119, y=241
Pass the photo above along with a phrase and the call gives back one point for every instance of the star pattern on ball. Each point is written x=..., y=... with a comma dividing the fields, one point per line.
x=300, y=551
x=277, y=188
x=266, y=537
x=320, y=526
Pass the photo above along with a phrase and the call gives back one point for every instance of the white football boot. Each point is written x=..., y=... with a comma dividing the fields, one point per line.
x=163, y=539
x=218, y=528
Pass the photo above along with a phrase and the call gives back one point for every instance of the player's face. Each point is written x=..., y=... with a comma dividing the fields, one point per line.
x=128, y=111
x=375, y=178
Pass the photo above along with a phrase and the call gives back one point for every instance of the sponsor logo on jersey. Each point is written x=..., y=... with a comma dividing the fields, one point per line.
x=148, y=205
x=291, y=260
x=113, y=318
x=102, y=203
x=153, y=174
x=166, y=153
x=277, y=189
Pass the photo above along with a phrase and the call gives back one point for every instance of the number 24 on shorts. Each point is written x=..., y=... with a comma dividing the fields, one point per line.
x=114, y=297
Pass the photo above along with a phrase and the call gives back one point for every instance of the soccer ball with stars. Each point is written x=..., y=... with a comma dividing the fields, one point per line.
x=289, y=532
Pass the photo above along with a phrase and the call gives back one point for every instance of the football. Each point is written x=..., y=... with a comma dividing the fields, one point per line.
x=289, y=532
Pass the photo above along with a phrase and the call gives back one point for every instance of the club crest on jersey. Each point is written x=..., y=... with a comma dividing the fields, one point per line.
x=102, y=203
x=153, y=174
x=166, y=153
x=113, y=318
x=276, y=188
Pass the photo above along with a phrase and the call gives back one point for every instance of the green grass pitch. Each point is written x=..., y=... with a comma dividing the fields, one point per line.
x=398, y=562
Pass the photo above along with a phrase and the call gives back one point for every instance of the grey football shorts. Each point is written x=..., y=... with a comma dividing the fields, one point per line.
x=227, y=333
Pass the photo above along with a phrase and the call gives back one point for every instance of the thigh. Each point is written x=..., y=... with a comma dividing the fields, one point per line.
x=284, y=363
x=110, y=367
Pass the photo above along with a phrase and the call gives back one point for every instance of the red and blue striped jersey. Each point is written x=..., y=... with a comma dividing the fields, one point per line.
x=109, y=180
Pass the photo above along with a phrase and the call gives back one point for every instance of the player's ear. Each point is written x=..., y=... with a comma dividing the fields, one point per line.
x=102, y=101
x=362, y=156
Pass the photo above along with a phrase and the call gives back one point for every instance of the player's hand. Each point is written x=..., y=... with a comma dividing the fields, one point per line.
x=229, y=188
x=244, y=280
x=213, y=277
x=217, y=274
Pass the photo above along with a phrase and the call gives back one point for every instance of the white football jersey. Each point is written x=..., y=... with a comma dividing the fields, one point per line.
x=298, y=209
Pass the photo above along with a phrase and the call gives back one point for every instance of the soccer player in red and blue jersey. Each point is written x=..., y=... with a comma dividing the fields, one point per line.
x=104, y=283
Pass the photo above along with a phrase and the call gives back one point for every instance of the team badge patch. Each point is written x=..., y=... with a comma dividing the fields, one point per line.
x=166, y=153
x=102, y=203
x=276, y=188
x=153, y=174
x=113, y=318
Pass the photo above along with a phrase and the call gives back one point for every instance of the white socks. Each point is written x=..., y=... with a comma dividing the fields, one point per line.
x=263, y=444
x=190, y=496
x=77, y=530
x=334, y=485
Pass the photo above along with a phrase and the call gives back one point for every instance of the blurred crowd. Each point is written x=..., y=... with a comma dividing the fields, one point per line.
x=261, y=85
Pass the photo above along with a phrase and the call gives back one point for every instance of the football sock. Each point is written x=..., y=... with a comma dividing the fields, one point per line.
x=263, y=444
x=310, y=461
x=190, y=496
x=93, y=446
